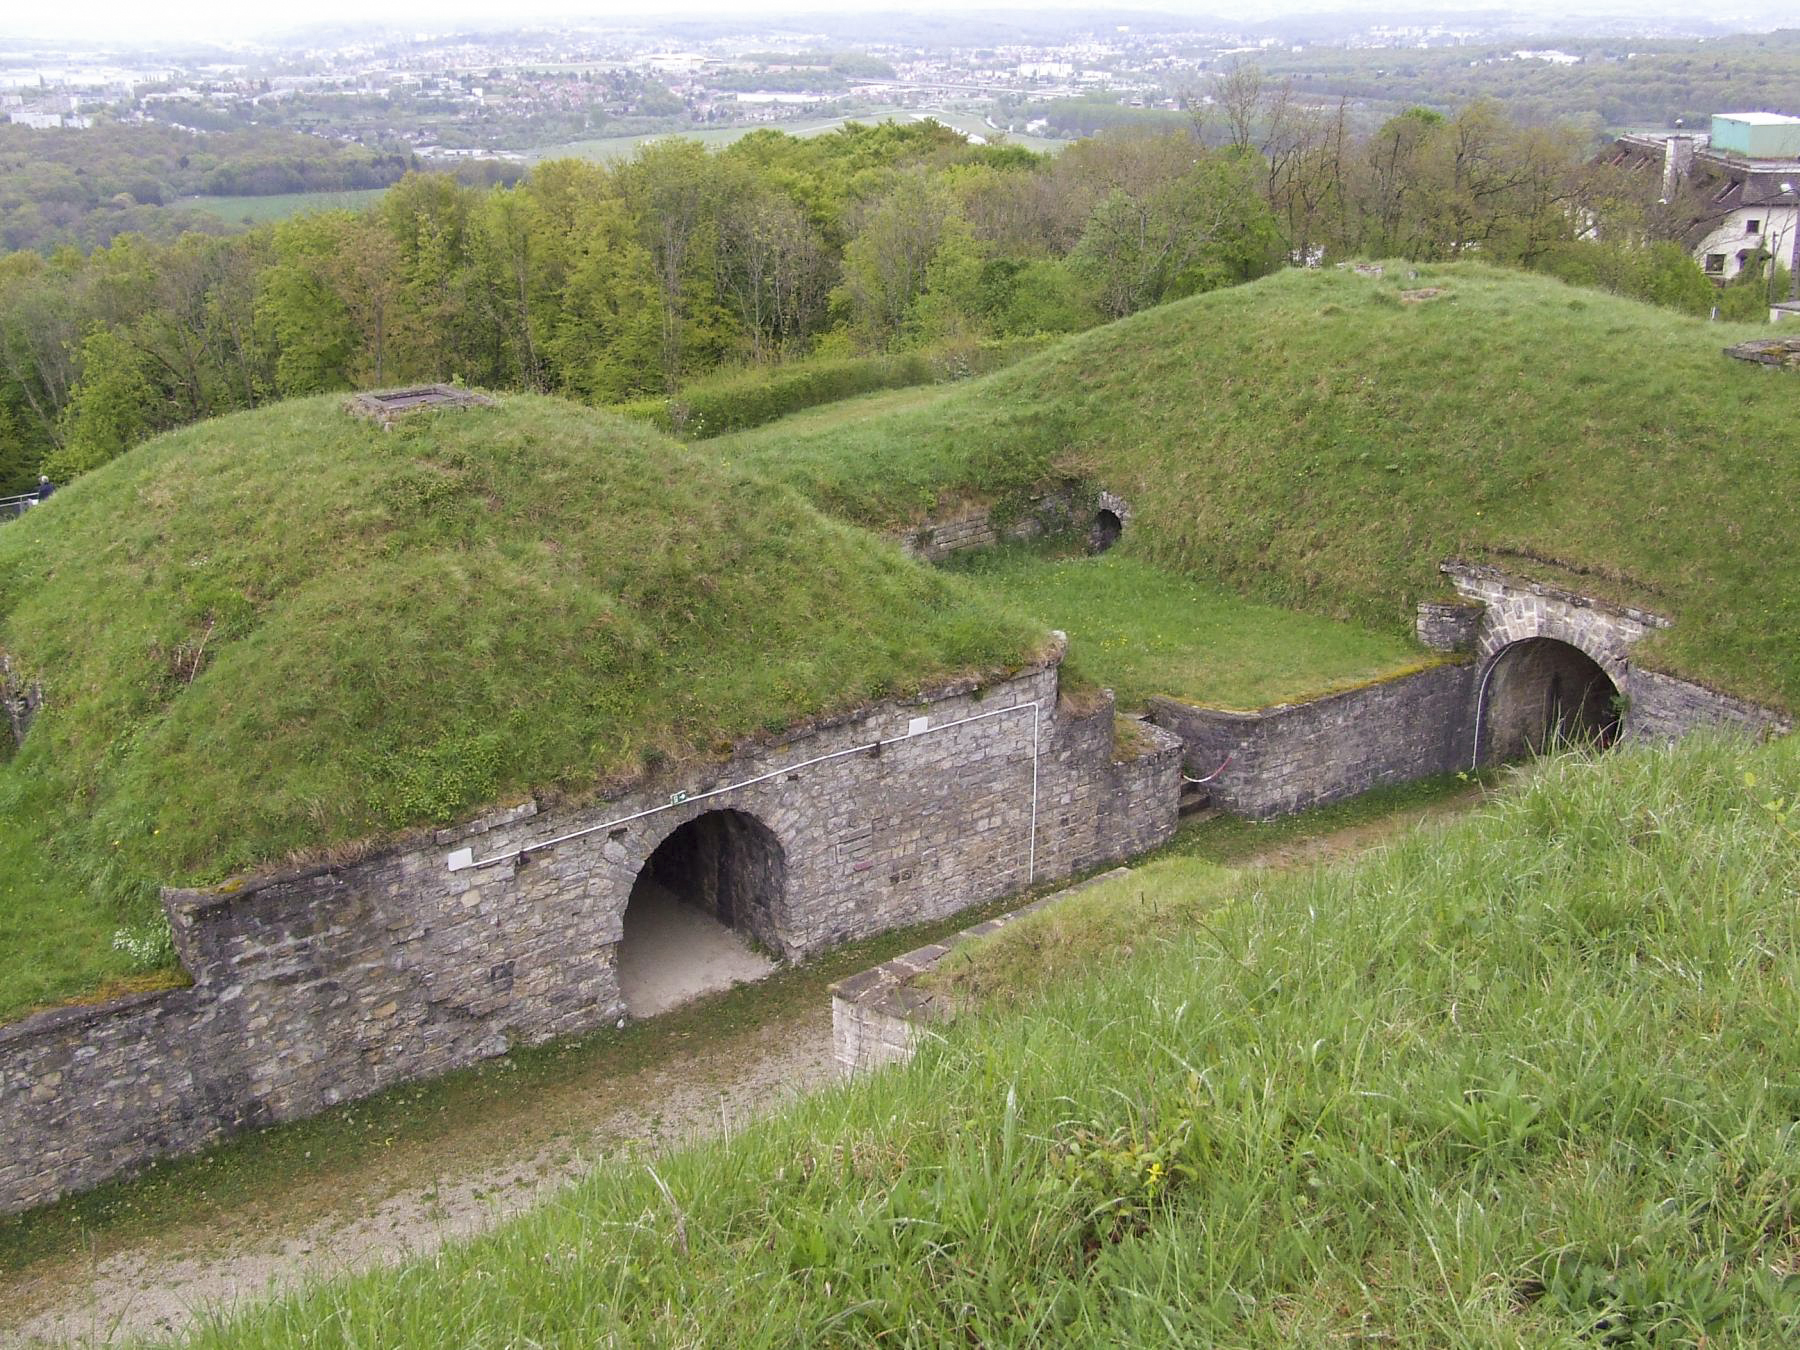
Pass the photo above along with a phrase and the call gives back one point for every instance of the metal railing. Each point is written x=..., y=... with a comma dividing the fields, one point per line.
x=11, y=508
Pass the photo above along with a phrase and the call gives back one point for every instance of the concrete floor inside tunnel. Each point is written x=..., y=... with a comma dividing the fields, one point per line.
x=673, y=952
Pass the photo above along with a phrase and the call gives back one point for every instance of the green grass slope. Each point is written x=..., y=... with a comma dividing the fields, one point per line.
x=1529, y=1080
x=1140, y=630
x=288, y=630
x=1320, y=440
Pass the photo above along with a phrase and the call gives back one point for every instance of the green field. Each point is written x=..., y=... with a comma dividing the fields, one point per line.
x=1529, y=1079
x=1324, y=440
x=1140, y=631
x=285, y=631
x=281, y=205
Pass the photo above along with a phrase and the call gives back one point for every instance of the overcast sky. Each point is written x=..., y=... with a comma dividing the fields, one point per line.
x=135, y=20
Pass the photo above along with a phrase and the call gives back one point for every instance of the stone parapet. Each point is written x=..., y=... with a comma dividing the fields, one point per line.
x=1295, y=755
x=1448, y=625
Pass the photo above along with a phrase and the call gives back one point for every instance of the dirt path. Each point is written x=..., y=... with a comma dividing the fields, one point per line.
x=1354, y=839
x=385, y=1206
x=158, y=1285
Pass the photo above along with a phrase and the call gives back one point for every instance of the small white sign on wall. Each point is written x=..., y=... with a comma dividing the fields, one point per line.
x=918, y=725
x=463, y=857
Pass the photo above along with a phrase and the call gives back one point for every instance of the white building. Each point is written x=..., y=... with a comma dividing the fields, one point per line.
x=1740, y=185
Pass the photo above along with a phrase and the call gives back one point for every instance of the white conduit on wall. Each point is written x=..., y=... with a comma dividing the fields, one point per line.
x=464, y=858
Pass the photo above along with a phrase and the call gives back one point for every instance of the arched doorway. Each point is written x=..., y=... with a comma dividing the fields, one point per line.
x=1106, y=530
x=709, y=889
x=1541, y=693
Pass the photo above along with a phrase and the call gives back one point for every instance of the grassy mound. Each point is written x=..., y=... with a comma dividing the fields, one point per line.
x=288, y=630
x=1323, y=440
x=1530, y=1079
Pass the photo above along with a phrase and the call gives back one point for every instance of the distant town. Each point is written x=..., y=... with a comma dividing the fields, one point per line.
x=521, y=94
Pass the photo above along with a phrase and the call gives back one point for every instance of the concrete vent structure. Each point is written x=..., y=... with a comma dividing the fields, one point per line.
x=388, y=405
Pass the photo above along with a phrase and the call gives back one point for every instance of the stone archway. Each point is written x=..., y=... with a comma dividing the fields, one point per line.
x=713, y=886
x=1539, y=693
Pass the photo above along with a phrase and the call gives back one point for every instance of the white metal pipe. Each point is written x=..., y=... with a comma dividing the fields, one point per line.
x=1481, y=700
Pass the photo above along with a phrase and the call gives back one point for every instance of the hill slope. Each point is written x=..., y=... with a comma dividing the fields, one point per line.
x=1324, y=440
x=288, y=630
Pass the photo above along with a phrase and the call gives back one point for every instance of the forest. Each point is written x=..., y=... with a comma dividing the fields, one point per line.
x=1619, y=82
x=86, y=187
x=612, y=282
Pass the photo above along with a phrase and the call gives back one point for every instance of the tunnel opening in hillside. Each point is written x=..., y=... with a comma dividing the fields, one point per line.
x=703, y=911
x=1542, y=695
x=1105, y=532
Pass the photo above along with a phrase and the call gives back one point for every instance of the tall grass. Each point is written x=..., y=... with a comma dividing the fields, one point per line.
x=1530, y=1079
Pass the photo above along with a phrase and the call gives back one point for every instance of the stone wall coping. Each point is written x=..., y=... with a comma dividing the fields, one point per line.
x=493, y=820
x=191, y=900
x=74, y=1015
x=1458, y=570
x=194, y=900
x=1161, y=740
x=1250, y=715
x=888, y=987
x=1456, y=602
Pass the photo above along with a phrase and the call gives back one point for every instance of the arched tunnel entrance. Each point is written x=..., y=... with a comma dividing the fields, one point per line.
x=1541, y=693
x=1105, y=531
x=711, y=887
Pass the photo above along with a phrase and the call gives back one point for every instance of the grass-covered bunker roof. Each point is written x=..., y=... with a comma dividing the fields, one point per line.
x=1324, y=439
x=291, y=629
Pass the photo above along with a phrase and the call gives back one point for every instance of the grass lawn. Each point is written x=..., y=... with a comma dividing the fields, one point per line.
x=1323, y=441
x=287, y=632
x=1530, y=1079
x=1140, y=630
x=281, y=205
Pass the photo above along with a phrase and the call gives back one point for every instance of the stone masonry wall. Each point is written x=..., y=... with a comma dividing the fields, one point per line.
x=317, y=988
x=878, y=1015
x=1293, y=756
x=974, y=527
x=1664, y=708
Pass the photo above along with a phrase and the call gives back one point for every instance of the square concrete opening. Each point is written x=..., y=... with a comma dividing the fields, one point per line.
x=387, y=405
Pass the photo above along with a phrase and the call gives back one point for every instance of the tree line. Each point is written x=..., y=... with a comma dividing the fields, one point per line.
x=85, y=187
x=609, y=282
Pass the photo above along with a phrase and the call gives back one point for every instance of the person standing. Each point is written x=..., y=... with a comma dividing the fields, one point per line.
x=45, y=488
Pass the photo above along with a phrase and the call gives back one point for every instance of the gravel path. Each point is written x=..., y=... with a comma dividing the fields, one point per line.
x=156, y=1288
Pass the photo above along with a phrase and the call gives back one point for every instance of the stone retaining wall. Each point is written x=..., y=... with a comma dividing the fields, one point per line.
x=975, y=526
x=1295, y=755
x=319, y=987
x=878, y=1015
x=1665, y=708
